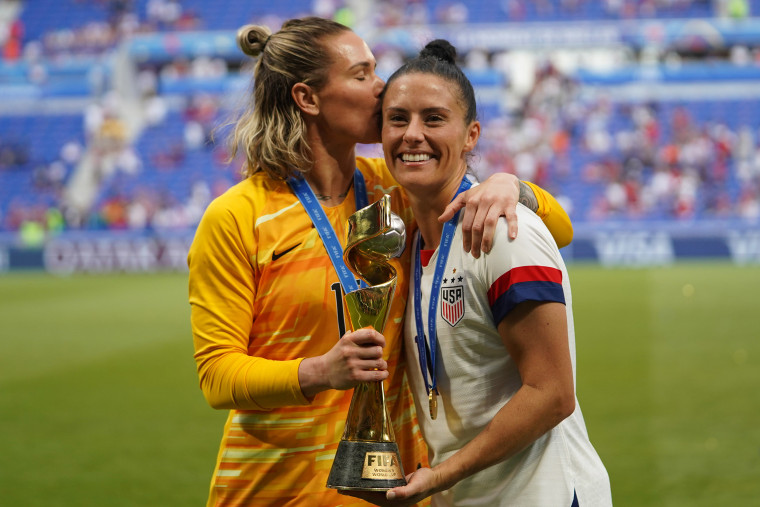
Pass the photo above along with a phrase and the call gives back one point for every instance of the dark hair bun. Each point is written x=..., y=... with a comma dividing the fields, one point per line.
x=253, y=38
x=441, y=49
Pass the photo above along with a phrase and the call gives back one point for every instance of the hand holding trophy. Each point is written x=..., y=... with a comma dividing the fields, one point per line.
x=367, y=458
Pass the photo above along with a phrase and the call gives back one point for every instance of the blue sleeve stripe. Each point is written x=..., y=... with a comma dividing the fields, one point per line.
x=526, y=291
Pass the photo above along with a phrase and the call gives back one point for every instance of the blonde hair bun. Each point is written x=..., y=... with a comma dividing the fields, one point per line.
x=253, y=38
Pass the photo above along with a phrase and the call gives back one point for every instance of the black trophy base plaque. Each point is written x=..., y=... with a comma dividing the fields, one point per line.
x=366, y=466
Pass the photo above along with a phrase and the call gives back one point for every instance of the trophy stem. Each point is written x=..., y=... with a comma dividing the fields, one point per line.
x=368, y=416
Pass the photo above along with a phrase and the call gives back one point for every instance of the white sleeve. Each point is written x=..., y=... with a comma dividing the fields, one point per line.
x=528, y=268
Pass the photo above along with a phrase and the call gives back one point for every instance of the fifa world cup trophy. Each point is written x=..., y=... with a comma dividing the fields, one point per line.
x=367, y=457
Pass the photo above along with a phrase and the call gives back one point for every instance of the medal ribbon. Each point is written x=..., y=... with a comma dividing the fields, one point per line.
x=319, y=218
x=427, y=346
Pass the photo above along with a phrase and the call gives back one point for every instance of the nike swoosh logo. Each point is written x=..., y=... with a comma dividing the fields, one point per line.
x=276, y=255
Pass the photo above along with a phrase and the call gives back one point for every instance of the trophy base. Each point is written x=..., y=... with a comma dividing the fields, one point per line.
x=366, y=466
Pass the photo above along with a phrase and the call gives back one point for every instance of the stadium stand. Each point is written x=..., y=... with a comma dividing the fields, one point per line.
x=651, y=117
x=33, y=173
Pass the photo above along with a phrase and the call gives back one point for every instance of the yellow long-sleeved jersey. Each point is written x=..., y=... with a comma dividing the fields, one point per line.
x=553, y=215
x=264, y=295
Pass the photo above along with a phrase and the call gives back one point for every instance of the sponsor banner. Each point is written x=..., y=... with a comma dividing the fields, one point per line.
x=624, y=245
x=106, y=255
x=744, y=247
x=101, y=253
x=637, y=245
x=639, y=248
x=4, y=262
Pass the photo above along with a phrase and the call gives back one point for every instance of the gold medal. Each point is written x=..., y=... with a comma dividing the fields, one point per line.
x=433, y=404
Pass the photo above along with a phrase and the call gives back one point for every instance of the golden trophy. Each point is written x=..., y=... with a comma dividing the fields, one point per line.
x=367, y=458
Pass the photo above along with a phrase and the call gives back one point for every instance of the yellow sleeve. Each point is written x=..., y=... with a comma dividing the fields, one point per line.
x=554, y=216
x=222, y=289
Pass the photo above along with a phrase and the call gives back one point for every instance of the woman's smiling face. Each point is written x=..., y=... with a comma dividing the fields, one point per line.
x=425, y=137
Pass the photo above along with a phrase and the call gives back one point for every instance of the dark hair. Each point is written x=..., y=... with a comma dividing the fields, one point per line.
x=438, y=57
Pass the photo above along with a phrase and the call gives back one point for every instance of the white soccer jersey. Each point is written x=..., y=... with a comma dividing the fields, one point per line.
x=476, y=375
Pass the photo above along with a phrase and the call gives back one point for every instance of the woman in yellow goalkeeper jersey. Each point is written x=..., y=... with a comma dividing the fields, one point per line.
x=266, y=296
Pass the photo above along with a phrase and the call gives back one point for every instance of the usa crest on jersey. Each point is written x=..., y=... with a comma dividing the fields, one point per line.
x=452, y=304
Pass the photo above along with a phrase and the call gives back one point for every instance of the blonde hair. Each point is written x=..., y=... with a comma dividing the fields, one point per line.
x=271, y=129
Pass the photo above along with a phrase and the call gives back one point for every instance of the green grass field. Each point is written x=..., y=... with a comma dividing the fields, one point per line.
x=99, y=403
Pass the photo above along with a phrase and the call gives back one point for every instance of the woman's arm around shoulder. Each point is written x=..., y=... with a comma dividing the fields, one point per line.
x=551, y=212
x=498, y=196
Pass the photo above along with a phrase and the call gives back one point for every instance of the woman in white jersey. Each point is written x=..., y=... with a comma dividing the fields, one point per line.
x=496, y=400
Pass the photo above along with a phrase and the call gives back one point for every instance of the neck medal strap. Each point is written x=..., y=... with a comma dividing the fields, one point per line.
x=427, y=346
x=326, y=232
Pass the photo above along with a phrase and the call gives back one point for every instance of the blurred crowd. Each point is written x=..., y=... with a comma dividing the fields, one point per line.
x=603, y=158
x=123, y=18
x=130, y=200
x=624, y=160
x=119, y=20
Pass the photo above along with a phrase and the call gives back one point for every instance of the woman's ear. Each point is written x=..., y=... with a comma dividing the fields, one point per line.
x=305, y=98
x=473, y=134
